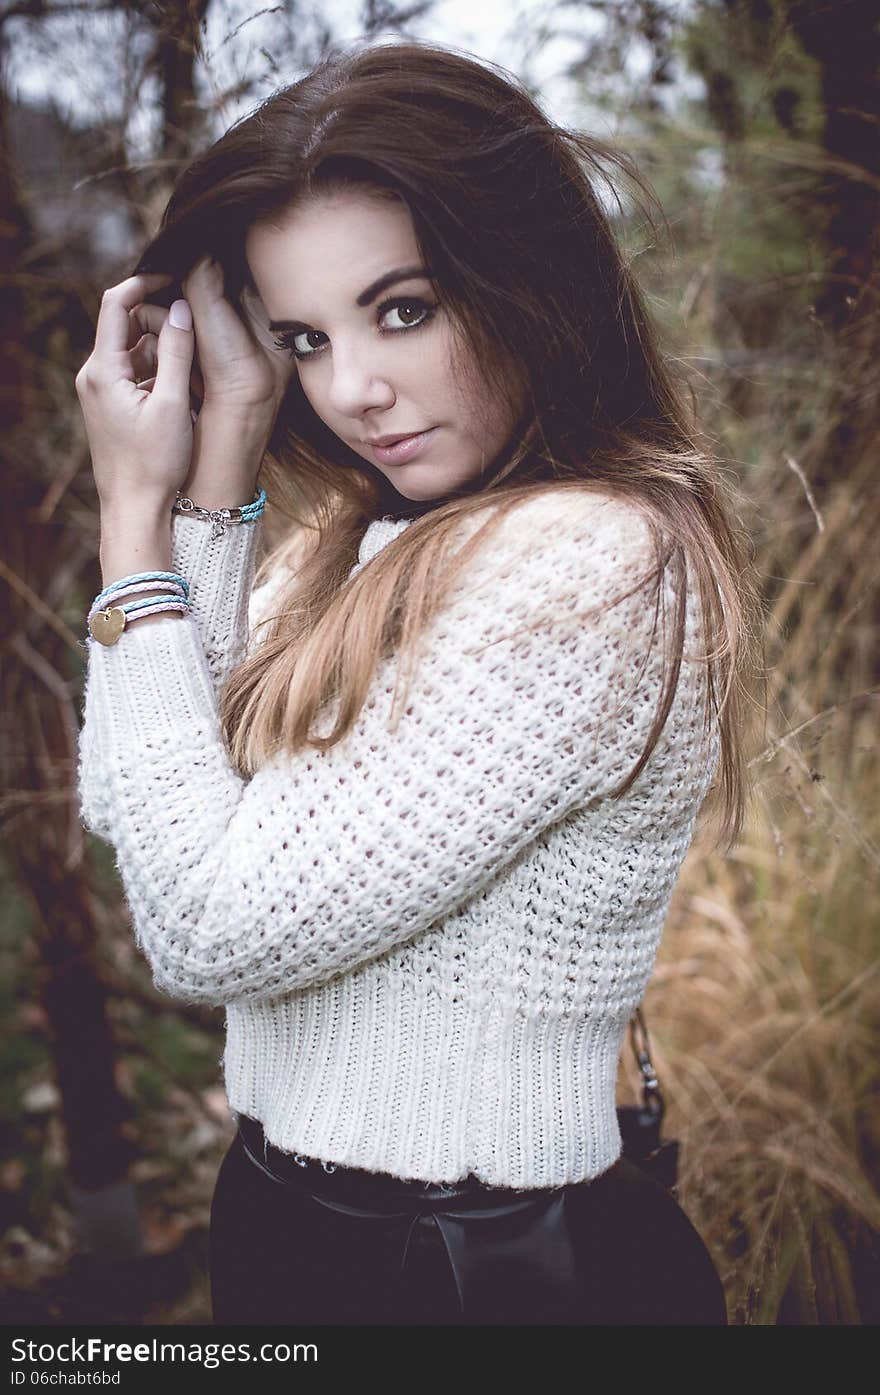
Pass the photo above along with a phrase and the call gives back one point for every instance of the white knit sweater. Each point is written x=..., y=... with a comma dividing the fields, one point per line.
x=428, y=943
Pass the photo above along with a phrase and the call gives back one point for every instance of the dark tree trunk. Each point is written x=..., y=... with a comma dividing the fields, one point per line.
x=45, y=843
x=179, y=40
x=844, y=40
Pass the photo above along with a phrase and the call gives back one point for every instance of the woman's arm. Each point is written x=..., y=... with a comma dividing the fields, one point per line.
x=144, y=447
x=327, y=859
x=220, y=572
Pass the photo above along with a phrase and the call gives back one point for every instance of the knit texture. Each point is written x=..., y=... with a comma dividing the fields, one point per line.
x=428, y=942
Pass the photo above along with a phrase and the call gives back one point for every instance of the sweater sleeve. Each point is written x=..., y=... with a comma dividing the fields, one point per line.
x=221, y=574
x=520, y=712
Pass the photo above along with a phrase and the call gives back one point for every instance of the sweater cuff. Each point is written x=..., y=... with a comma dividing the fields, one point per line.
x=152, y=687
x=220, y=572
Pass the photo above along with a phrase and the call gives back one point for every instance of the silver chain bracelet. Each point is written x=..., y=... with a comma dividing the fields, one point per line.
x=219, y=518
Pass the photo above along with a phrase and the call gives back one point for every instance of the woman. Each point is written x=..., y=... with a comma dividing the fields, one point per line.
x=410, y=802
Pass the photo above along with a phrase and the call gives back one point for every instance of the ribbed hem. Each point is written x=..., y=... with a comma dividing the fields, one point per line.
x=422, y=1089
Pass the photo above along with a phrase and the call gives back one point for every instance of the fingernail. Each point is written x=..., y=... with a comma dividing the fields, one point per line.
x=180, y=315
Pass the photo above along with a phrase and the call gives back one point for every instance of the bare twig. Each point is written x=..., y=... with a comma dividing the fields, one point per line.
x=57, y=489
x=770, y=751
x=28, y=594
x=795, y=467
x=49, y=676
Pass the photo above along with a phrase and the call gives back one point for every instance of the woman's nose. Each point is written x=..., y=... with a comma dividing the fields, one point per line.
x=357, y=385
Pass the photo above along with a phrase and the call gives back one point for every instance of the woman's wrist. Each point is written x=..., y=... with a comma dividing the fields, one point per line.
x=228, y=451
x=134, y=539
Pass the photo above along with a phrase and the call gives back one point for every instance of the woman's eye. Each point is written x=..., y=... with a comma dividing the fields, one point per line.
x=288, y=341
x=412, y=314
x=408, y=306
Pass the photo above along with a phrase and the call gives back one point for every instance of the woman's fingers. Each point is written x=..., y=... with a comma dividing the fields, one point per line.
x=198, y=382
x=147, y=385
x=113, y=332
x=140, y=438
x=175, y=355
x=146, y=319
x=258, y=319
x=144, y=357
x=204, y=287
x=145, y=350
x=225, y=345
x=282, y=366
x=236, y=372
x=204, y=282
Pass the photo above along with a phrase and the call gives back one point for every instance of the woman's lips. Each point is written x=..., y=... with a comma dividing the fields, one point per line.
x=403, y=450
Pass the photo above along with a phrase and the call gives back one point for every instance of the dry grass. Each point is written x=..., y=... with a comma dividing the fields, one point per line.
x=765, y=1004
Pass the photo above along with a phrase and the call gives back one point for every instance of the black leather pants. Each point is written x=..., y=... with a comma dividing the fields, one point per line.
x=294, y=1243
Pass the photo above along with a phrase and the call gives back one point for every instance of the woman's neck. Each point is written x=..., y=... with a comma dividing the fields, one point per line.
x=398, y=506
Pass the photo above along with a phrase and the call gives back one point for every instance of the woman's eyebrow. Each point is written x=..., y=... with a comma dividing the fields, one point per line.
x=366, y=297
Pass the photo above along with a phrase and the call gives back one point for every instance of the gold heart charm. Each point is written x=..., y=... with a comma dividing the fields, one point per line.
x=107, y=625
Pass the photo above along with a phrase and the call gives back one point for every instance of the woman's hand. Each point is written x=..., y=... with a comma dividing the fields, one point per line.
x=241, y=366
x=140, y=441
x=237, y=368
x=238, y=383
x=233, y=371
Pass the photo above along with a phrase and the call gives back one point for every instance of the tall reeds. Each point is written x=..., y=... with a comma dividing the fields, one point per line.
x=765, y=1005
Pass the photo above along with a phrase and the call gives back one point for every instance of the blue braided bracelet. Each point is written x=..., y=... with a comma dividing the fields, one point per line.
x=106, y=621
x=114, y=586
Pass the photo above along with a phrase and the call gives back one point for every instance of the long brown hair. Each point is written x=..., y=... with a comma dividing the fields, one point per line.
x=507, y=217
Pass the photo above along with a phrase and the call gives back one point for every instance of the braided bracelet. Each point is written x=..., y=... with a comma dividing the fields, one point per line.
x=142, y=581
x=218, y=518
x=106, y=622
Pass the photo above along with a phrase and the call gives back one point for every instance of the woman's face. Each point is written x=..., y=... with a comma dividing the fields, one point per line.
x=374, y=348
